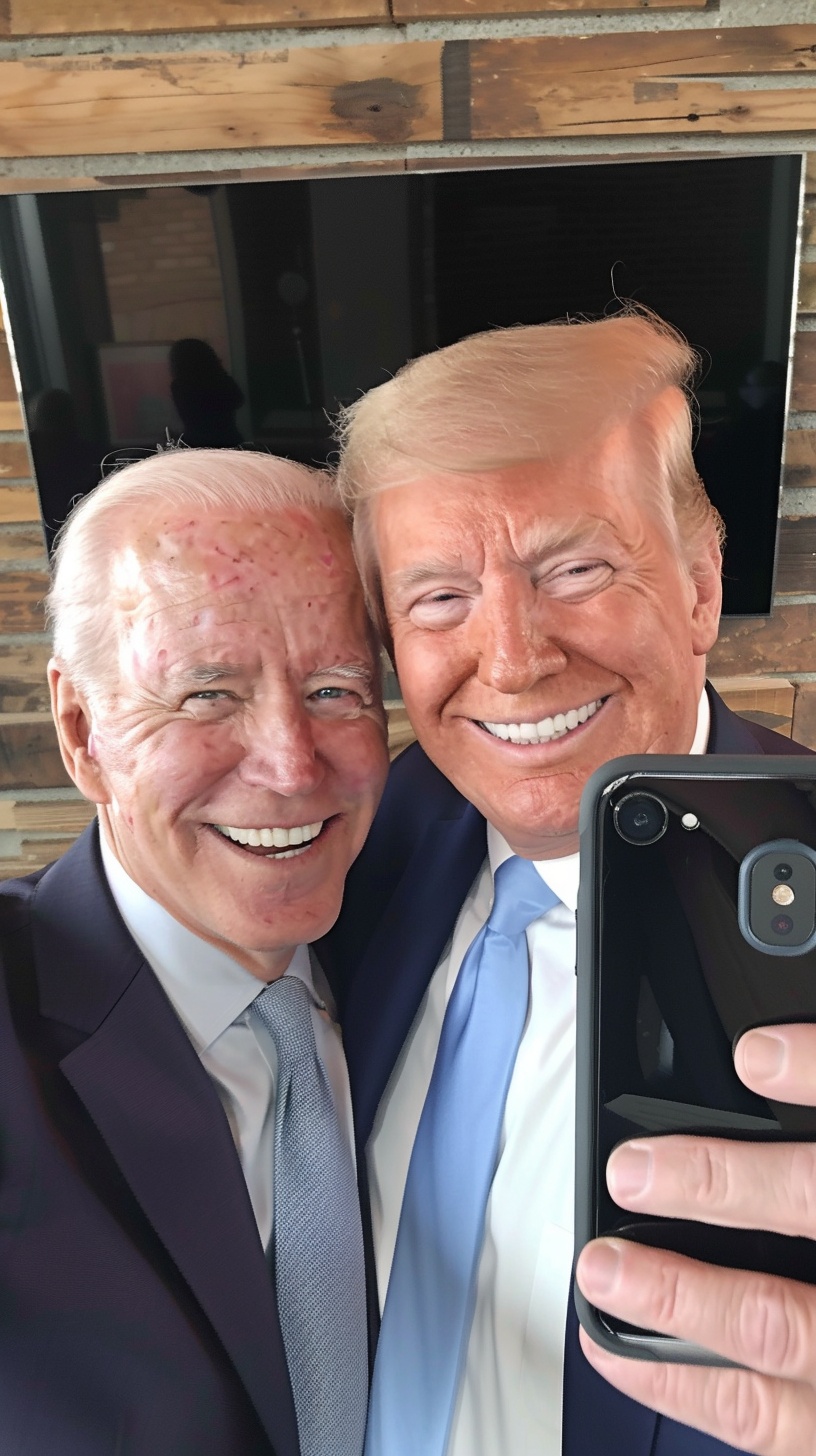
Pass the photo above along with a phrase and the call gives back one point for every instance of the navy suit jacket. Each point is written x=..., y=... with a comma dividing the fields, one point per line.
x=402, y=899
x=137, y=1311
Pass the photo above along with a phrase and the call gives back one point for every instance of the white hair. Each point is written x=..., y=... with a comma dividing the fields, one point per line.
x=237, y=482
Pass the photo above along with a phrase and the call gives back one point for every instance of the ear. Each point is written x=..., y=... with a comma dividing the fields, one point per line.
x=706, y=577
x=72, y=718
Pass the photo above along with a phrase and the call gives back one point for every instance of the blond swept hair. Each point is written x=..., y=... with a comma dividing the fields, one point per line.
x=532, y=392
x=237, y=483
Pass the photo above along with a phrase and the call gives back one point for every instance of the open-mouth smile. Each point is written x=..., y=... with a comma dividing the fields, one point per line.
x=275, y=842
x=547, y=730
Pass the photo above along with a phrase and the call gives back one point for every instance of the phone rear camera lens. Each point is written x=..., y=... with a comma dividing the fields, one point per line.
x=783, y=871
x=782, y=925
x=640, y=818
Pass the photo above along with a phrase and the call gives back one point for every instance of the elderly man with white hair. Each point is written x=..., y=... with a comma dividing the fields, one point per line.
x=182, y=1261
x=541, y=555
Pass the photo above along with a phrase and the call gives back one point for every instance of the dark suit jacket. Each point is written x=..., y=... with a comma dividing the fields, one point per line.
x=402, y=899
x=137, y=1312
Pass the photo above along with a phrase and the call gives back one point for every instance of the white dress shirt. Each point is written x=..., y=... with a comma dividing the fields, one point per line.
x=510, y=1395
x=211, y=995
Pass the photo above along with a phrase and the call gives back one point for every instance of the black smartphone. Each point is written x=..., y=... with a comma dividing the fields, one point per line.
x=696, y=921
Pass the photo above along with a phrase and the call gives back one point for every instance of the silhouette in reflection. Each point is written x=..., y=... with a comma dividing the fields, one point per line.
x=66, y=465
x=204, y=394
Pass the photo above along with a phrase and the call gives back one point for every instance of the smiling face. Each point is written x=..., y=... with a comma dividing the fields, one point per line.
x=543, y=623
x=238, y=765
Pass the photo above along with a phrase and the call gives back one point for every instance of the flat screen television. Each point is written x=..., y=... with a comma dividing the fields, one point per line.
x=247, y=312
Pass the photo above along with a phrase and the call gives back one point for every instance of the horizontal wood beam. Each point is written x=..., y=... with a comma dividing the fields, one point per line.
x=644, y=83
x=80, y=17
x=23, y=686
x=796, y=557
x=21, y=600
x=800, y=458
x=83, y=17
x=803, y=386
x=405, y=10
x=18, y=503
x=666, y=82
x=782, y=643
x=29, y=754
x=64, y=105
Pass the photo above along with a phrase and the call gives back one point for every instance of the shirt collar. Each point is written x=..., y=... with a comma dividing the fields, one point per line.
x=207, y=988
x=562, y=874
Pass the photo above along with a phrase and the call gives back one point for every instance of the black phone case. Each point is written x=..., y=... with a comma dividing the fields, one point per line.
x=670, y=974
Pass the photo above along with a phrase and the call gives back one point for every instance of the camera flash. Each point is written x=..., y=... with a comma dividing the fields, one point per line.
x=690, y=821
x=782, y=895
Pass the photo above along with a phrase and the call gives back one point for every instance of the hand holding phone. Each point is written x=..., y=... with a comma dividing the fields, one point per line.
x=657, y=1302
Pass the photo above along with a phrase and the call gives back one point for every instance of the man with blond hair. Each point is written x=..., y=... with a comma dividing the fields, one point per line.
x=182, y=1267
x=545, y=565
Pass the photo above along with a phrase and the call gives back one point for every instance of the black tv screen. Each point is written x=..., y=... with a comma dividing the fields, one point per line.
x=245, y=313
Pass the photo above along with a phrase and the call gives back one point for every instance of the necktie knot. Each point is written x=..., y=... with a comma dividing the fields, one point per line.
x=285, y=1008
x=519, y=897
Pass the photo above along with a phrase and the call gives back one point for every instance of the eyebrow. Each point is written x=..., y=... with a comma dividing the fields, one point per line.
x=355, y=671
x=209, y=672
x=537, y=542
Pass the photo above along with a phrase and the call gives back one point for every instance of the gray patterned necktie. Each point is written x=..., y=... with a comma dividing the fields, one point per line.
x=317, y=1236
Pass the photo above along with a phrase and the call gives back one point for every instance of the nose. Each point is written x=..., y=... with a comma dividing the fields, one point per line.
x=280, y=751
x=514, y=649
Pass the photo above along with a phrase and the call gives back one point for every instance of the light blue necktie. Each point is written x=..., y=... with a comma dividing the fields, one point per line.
x=317, y=1236
x=431, y=1293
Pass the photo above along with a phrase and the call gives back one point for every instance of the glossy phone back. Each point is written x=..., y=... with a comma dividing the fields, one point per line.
x=696, y=921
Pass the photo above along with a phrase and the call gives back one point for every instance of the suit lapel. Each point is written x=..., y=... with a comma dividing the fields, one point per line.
x=142, y=1084
x=729, y=734
x=403, y=954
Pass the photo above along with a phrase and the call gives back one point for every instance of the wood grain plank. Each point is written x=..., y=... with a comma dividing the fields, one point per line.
x=19, y=503
x=11, y=416
x=610, y=84
x=800, y=458
x=81, y=17
x=8, y=389
x=61, y=105
x=57, y=816
x=796, y=556
x=807, y=288
x=29, y=755
x=785, y=643
x=455, y=9
x=804, y=715
x=24, y=543
x=23, y=684
x=35, y=855
x=21, y=598
x=803, y=387
x=14, y=460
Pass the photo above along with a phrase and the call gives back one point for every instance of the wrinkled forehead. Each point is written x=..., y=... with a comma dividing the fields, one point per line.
x=178, y=556
x=549, y=496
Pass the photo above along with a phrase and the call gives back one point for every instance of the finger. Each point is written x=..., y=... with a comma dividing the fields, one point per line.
x=779, y=1062
x=749, y=1411
x=756, y=1320
x=716, y=1180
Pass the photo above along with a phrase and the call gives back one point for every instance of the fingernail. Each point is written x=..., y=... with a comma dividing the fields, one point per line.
x=629, y=1171
x=599, y=1268
x=763, y=1055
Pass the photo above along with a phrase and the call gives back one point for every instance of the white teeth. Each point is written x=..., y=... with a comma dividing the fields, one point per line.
x=294, y=840
x=548, y=729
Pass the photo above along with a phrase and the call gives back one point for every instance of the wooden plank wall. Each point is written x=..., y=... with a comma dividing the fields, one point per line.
x=101, y=93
